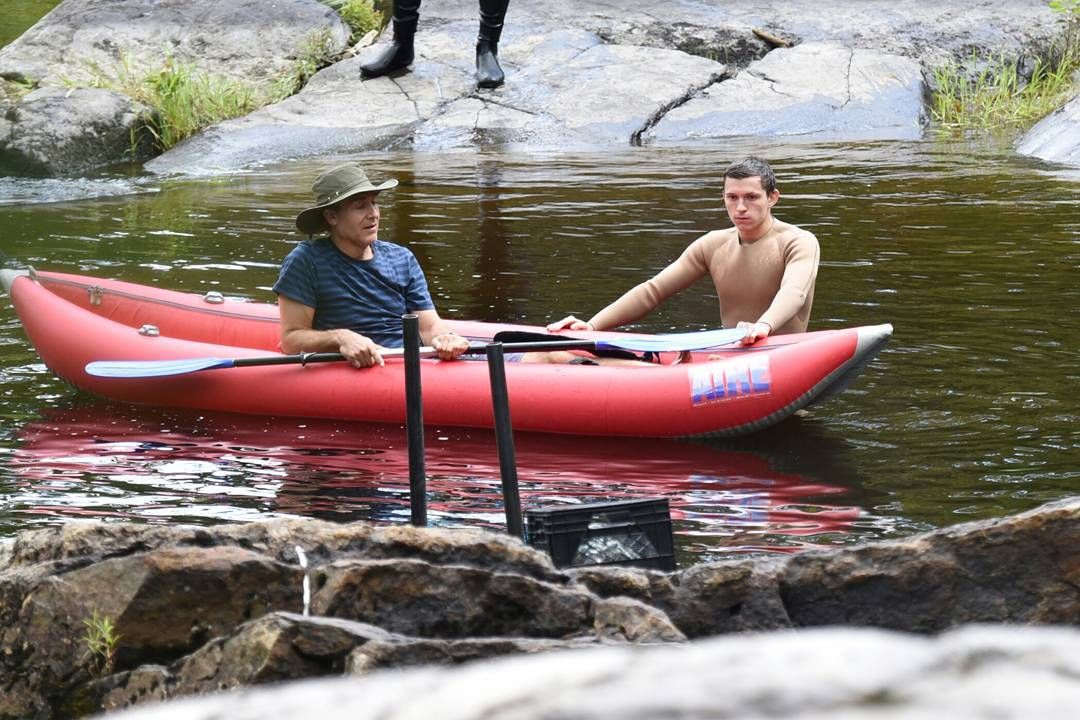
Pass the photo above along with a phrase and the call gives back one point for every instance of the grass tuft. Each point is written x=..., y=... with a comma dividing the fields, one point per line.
x=102, y=640
x=360, y=15
x=999, y=97
x=184, y=100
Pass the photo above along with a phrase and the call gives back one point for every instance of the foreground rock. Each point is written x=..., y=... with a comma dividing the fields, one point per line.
x=579, y=75
x=199, y=610
x=82, y=42
x=976, y=673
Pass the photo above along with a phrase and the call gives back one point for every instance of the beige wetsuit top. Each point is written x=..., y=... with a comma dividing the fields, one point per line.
x=769, y=280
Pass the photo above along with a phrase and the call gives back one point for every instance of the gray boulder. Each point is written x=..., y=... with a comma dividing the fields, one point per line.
x=69, y=126
x=1055, y=138
x=1018, y=569
x=56, y=131
x=249, y=40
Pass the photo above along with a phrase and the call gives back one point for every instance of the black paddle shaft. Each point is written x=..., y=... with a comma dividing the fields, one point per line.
x=474, y=348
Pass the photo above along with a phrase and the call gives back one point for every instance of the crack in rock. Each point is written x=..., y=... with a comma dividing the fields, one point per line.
x=663, y=110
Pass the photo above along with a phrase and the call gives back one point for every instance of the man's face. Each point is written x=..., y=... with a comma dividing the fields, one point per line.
x=748, y=206
x=356, y=219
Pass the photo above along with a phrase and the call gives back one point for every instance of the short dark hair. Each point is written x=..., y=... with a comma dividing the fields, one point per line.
x=753, y=167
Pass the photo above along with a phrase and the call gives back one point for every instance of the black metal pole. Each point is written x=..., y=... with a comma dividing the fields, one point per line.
x=414, y=421
x=504, y=440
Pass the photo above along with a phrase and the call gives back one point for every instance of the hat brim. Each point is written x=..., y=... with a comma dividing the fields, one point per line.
x=311, y=220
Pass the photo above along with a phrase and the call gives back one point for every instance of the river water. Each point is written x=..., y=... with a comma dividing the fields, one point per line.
x=970, y=411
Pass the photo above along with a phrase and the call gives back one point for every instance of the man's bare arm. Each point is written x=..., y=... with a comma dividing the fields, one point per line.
x=297, y=335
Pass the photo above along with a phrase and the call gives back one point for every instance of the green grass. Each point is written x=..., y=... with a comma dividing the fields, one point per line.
x=998, y=97
x=102, y=640
x=184, y=99
x=360, y=15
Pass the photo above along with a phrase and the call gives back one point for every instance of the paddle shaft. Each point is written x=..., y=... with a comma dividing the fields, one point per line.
x=655, y=343
x=479, y=348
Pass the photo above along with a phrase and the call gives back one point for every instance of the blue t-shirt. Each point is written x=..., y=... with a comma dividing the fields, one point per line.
x=366, y=296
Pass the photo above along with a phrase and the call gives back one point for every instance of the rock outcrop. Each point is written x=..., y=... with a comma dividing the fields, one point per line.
x=578, y=75
x=199, y=610
x=1055, y=138
x=54, y=131
x=69, y=125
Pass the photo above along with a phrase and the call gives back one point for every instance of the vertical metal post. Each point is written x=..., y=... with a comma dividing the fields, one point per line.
x=504, y=440
x=414, y=421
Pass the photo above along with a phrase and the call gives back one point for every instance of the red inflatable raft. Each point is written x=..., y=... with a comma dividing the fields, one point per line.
x=73, y=320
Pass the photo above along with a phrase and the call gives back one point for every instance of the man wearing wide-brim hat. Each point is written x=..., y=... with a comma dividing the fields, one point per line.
x=346, y=291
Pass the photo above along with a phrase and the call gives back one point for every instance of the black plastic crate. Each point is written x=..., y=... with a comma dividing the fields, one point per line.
x=625, y=532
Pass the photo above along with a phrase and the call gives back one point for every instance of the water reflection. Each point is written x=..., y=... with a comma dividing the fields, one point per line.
x=109, y=461
x=968, y=250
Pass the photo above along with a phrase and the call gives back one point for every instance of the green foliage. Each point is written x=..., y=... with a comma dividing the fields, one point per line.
x=360, y=15
x=188, y=100
x=317, y=52
x=101, y=639
x=14, y=90
x=184, y=100
x=998, y=96
x=1068, y=8
x=1071, y=10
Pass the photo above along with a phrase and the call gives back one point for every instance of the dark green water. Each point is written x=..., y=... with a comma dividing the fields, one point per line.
x=970, y=412
x=21, y=14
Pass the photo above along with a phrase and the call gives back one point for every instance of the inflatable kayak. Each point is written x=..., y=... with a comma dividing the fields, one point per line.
x=74, y=320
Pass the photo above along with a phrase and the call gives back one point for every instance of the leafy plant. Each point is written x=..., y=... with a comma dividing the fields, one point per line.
x=360, y=15
x=998, y=96
x=1069, y=8
x=182, y=98
x=317, y=52
x=101, y=640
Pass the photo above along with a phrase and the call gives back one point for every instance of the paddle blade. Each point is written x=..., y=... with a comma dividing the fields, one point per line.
x=676, y=341
x=153, y=368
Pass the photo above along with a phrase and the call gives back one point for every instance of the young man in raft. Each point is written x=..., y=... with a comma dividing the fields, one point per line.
x=763, y=269
x=347, y=292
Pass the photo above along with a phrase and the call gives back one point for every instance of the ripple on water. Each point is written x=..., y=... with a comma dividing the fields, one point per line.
x=30, y=191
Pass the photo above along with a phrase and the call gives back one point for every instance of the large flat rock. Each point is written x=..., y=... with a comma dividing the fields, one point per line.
x=821, y=89
x=579, y=75
x=587, y=75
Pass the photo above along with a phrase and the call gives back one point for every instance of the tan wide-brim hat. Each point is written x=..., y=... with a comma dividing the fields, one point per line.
x=332, y=186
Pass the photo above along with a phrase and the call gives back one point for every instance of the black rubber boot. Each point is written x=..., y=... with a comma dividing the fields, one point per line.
x=400, y=53
x=489, y=73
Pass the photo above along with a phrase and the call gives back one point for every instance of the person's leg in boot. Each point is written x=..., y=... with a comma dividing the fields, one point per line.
x=489, y=73
x=399, y=54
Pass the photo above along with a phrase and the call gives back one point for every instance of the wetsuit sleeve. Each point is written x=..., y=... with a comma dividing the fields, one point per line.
x=644, y=298
x=801, y=256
